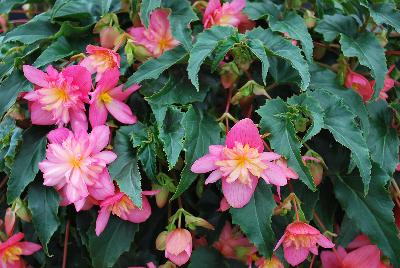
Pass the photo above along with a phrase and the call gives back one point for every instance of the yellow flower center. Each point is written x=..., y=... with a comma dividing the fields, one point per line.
x=12, y=254
x=105, y=97
x=76, y=162
x=299, y=241
x=124, y=205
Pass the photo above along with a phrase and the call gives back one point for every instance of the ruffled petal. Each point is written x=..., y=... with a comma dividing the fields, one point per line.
x=245, y=132
x=97, y=113
x=99, y=138
x=35, y=76
x=121, y=112
x=238, y=194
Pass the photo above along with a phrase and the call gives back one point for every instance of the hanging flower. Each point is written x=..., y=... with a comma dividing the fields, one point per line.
x=360, y=84
x=274, y=262
x=158, y=37
x=58, y=98
x=178, y=246
x=365, y=256
x=108, y=98
x=389, y=83
x=299, y=240
x=75, y=163
x=240, y=163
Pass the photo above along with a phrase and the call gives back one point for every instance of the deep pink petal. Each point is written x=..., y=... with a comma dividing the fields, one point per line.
x=238, y=194
x=121, y=112
x=99, y=138
x=366, y=256
x=28, y=248
x=103, y=186
x=81, y=78
x=40, y=116
x=117, y=93
x=109, y=79
x=35, y=76
x=245, y=132
x=295, y=256
x=97, y=113
x=359, y=241
x=78, y=121
x=212, y=6
x=325, y=242
x=58, y=135
x=102, y=220
x=138, y=215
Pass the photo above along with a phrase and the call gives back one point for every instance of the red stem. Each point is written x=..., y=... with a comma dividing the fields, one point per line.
x=64, y=262
x=227, y=106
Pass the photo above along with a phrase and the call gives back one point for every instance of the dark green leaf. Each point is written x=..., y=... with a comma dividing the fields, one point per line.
x=211, y=258
x=333, y=25
x=56, y=51
x=7, y=5
x=257, y=10
x=258, y=49
x=221, y=50
x=146, y=8
x=71, y=8
x=386, y=13
x=10, y=138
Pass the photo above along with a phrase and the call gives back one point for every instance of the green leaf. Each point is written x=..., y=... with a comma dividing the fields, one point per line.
x=26, y=165
x=283, y=137
x=257, y=10
x=116, y=239
x=125, y=169
x=258, y=49
x=279, y=46
x=58, y=50
x=259, y=210
x=369, y=52
x=341, y=123
x=43, y=203
x=333, y=25
x=146, y=8
x=372, y=214
x=221, y=50
x=181, y=16
x=205, y=44
x=71, y=8
x=382, y=139
x=152, y=68
x=385, y=13
x=7, y=5
x=211, y=258
x=36, y=29
x=201, y=131
x=294, y=25
x=10, y=138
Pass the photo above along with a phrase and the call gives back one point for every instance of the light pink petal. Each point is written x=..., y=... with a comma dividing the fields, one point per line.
x=213, y=177
x=31, y=96
x=103, y=186
x=236, y=6
x=238, y=194
x=99, y=138
x=295, y=256
x=58, y=135
x=102, y=220
x=179, y=259
x=81, y=78
x=97, y=113
x=121, y=112
x=204, y=164
x=35, y=76
x=109, y=79
x=216, y=149
x=359, y=241
x=245, y=132
x=117, y=93
x=106, y=156
x=40, y=116
x=73, y=194
x=212, y=6
x=83, y=204
x=28, y=248
x=87, y=63
x=366, y=256
x=274, y=175
x=279, y=242
x=325, y=242
x=78, y=121
x=269, y=156
x=139, y=37
x=329, y=260
x=159, y=22
x=138, y=215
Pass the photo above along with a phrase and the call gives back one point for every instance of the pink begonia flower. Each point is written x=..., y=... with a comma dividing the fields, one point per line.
x=360, y=84
x=223, y=205
x=274, y=262
x=240, y=164
x=293, y=41
x=158, y=37
x=12, y=249
x=178, y=246
x=108, y=98
x=232, y=243
x=224, y=15
x=389, y=83
x=299, y=240
x=76, y=163
x=100, y=59
x=108, y=35
x=121, y=205
x=9, y=221
x=365, y=256
x=289, y=173
x=58, y=98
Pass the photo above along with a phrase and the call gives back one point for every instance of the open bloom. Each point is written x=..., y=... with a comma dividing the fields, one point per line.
x=388, y=84
x=121, y=205
x=224, y=15
x=178, y=246
x=12, y=249
x=360, y=84
x=365, y=256
x=240, y=163
x=99, y=60
x=108, y=97
x=75, y=163
x=58, y=98
x=299, y=240
x=158, y=37
x=274, y=262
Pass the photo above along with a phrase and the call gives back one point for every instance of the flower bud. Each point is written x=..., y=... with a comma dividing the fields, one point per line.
x=9, y=221
x=108, y=36
x=161, y=240
x=309, y=18
x=162, y=197
x=178, y=248
x=197, y=222
x=168, y=264
x=21, y=210
x=141, y=53
x=229, y=74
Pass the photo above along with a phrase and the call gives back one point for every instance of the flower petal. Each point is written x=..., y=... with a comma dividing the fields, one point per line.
x=295, y=256
x=58, y=135
x=366, y=256
x=121, y=112
x=102, y=220
x=138, y=215
x=214, y=176
x=81, y=78
x=99, y=138
x=204, y=164
x=245, y=132
x=97, y=113
x=28, y=248
x=35, y=76
x=238, y=194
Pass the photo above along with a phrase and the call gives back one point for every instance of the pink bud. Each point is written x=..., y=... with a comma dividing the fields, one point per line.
x=223, y=205
x=179, y=246
x=360, y=84
x=9, y=221
x=108, y=35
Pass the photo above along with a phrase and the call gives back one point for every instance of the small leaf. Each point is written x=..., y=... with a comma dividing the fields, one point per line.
x=258, y=49
x=43, y=203
x=146, y=8
x=385, y=13
x=10, y=138
x=333, y=25
x=260, y=210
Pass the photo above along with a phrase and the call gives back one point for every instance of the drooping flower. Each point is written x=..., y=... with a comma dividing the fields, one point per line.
x=240, y=164
x=108, y=98
x=388, y=84
x=12, y=249
x=178, y=246
x=121, y=205
x=100, y=59
x=224, y=15
x=299, y=240
x=360, y=84
x=365, y=256
x=158, y=37
x=76, y=163
x=58, y=98
x=274, y=262
x=108, y=35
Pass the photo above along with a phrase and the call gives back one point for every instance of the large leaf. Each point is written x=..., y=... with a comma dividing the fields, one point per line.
x=386, y=13
x=333, y=25
x=71, y=9
x=201, y=131
x=341, y=123
x=283, y=137
x=279, y=46
x=254, y=219
x=58, y=50
x=10, y=138
x=369, y=52
x=125, y=168
x=116, y=239
x=152, y=68
x=372, y=214
x=294, y=25
x=205, y=44
x=257, y=10
x=26, y=165
x=382, y=139
x=146, y=8
x=258, y=49
x=43, y=203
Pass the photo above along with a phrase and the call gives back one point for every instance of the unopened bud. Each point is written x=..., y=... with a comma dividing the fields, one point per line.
x=22, y=211
x=9, y=221
x=309, y=18
x=162, y=196
x=161, y=240
x=193, y=221
x=108, y=36
x=168, y=264
x=141, y=53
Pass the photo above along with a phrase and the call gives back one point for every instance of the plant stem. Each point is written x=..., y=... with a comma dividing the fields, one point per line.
x=66, y=238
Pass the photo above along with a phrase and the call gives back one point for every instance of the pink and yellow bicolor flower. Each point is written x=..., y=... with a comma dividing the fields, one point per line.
x=100, y=59
x=224, y=15
x=12, y=249
x=178, y=247
x=58, y=98
x=273, y=262
x=365, y=256
x=76, y=164
x=240, y=164
x=299, y=240
x=157, y=38
x=120, y=205
x=108, y=98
